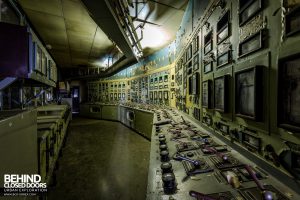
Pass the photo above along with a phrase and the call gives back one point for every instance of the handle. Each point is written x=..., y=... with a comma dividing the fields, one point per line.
x=53, y=138
x=180, y=157
x=205, y=140
x=267, y=195
x=128, y=116
x=51, y=150
x=176, y=140
x=258, y=183
x=220, y=155
x=182, y=119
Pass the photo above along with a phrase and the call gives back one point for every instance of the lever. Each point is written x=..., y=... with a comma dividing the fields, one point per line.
x=182, y=119
x=180, y=157
x=267, y=195
x=220, y=155
x=183, y=143
x=200, y=196
x=205, y=140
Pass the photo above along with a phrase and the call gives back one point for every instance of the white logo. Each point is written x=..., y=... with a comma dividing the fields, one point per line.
x=24, y=184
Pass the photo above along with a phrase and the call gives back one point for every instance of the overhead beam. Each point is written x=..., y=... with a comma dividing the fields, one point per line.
x=121, y=64
x=101, y=12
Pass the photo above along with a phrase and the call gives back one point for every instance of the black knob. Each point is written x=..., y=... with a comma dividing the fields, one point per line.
x=163, y=147
x=166, y=167
x=190, y=154
x=164, y=156
x=162, y=140
x=169, y=183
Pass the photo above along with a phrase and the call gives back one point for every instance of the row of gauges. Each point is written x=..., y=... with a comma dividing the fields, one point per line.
x=160, y=79
x=159, y=95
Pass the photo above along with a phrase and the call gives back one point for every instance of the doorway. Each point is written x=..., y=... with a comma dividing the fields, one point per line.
x=75, y=94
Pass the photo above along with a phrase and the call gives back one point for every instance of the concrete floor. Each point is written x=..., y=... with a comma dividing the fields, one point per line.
x=102, y=160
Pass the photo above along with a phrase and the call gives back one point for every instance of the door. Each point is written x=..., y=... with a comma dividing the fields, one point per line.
x=75, y=99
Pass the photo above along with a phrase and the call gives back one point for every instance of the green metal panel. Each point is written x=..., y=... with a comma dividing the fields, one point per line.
x=90, y=110
x=110, y=112
x=44, y=153
x=144, y=123
x=18, y=144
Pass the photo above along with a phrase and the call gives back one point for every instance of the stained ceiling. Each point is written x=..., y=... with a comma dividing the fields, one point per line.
x=76, y=39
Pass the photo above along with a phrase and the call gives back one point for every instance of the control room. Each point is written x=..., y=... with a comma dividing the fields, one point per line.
x=150, y=99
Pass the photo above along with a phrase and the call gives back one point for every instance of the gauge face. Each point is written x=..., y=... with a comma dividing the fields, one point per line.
x=246, y=93
x=206, y=94
x=289, y=90
x=219, y=93
x=166, y=96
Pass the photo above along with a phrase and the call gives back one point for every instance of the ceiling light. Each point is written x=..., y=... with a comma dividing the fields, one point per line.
x=154, y=37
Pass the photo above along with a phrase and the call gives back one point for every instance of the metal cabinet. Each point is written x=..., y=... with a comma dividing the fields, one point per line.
x=144, y=123
x=44, y=153
x=130, y=118
x=54, y=137
x=139, y=120
x=18, y=143
x=109, y=112
x=127, y=116
x=91, y=110
x=122, y=114
x=52, y=123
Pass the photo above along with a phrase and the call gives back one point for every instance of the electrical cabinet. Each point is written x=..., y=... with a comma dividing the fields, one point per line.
x=18, y=143
x=109, y=112
x=45, y=153
x=23, y=56
x=52, y=124
x=144, y=123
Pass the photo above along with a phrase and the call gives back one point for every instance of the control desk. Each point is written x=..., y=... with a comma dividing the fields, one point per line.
x=188, y=162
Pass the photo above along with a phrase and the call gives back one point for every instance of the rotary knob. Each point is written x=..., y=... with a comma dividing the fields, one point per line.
x=157, y=129
x=190, y=154
x=166, y=167
x=164, y=156
x=163, y=147
x=169, y=183
x=162, y=140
